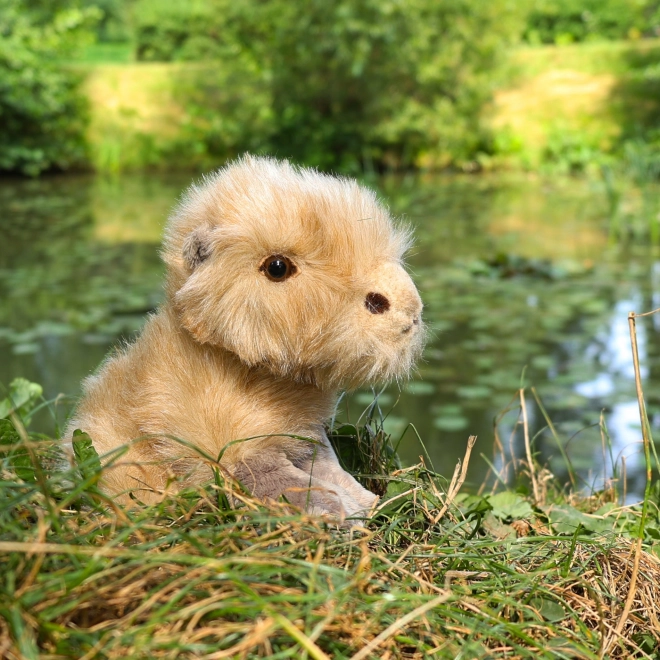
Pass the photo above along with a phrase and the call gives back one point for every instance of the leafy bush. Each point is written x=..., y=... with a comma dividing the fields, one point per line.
x=167, y=32
x=41, y=113
x=566, y=21
x=353, y=84
x=389, y=83
x=113, y=21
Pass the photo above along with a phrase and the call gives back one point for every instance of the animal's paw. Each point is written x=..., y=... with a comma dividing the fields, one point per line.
x=332, y=502
x=319, y=500
x=367, y=500
x=357, y=499
x=353, y=510
x=275, y=476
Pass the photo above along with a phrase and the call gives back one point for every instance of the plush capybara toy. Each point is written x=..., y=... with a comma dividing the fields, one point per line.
x=284, y=286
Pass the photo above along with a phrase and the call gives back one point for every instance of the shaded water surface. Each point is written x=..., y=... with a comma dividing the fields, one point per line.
x=519, y=279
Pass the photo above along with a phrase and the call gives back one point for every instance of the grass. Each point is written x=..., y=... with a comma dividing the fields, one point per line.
x=434, y=573
x=569, y=105
x=538, y=571
x=595, y=58
x=172, y=115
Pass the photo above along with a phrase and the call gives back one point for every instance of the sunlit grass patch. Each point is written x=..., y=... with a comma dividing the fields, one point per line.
x=570, y=108
x=173, y=116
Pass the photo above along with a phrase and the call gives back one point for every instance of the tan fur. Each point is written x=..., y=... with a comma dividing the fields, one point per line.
x=233, y=356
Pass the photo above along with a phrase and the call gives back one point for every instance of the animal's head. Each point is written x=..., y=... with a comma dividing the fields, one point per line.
x=296, y=271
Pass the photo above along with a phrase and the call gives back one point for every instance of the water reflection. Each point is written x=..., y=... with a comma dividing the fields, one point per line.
x=518, y=277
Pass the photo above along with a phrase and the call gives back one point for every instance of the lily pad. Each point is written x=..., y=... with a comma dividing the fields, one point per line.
x=474, y=392
x=449, y=423
x=420, y=387
x=25, y=349
x=367, y=398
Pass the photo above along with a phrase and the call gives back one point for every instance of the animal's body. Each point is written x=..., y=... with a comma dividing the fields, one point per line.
x=283, y=286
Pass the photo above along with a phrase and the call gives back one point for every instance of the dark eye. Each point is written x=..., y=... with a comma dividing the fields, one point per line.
x=277, y=268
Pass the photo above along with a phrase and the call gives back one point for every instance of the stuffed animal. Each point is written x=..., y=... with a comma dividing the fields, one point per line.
x=284, y=286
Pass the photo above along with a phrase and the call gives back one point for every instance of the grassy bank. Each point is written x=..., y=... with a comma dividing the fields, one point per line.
x=568, y=105
x=172, y=115
x=212, y=573
x=552, y=104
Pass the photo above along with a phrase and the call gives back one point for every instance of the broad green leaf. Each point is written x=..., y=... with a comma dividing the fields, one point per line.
x=565, y=519
x=473, y=505
x=497, y=528
x=395, y=488
x=19, y=458
x=22, y=397
x=87, y=459
x=510, y=505
x=550, y=610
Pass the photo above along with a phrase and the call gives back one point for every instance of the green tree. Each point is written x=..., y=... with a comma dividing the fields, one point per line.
x=354, y=83
x=42, y=114
x=113, y=19
x=191, y=30
x=380, y=81
x=565, y=21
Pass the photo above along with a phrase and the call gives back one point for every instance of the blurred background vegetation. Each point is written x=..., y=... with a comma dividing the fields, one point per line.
x=351, y=85
x=108, y=109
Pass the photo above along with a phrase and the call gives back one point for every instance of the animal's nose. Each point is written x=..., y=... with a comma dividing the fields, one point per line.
x=409, y=327
x=376, y=303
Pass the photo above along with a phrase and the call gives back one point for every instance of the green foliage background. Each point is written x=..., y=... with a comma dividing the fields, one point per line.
x=353, y=84
x=42, y=115
x=566, y=21
x=349, y=85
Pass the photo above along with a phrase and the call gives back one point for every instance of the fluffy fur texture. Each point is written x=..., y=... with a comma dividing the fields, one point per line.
x=236, y=363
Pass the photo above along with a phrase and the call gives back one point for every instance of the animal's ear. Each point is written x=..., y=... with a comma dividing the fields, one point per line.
x=197, y=248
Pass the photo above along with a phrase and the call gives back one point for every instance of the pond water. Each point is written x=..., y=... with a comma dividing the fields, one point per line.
x=520, y=280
